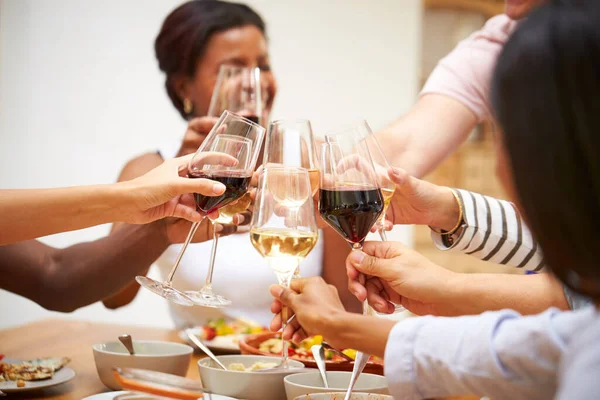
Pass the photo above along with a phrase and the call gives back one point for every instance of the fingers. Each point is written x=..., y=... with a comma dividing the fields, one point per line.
x=373, y=266
x=202, y=125
x=225, y=230
x=354, y=286
x=285, y=296
x=377, y=297
x=186, y=212
x=202, y=186
x=399, y=176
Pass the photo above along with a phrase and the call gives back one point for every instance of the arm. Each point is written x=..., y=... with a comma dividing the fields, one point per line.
x=432, y=130
x=397, y=274
x=69, y=278
x=499, y=354
x=175, y=232
x=26, y=214
x=493, y=231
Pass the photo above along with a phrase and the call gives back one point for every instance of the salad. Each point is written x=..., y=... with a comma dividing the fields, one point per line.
x=301, y=351
x=221, y=327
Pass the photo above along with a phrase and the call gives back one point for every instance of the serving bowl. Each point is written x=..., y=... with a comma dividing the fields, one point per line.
x=311, y=383
x=250, y=385
x=168, y=357
x=340, y=396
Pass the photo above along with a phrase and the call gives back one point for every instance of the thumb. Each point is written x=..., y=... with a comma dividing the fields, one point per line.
x=400, y=177
x=286, y=296
x=369, y=265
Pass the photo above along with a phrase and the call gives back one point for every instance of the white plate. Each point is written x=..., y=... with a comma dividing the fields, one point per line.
x=223, y=344
x=122, y=395
x=61, y=376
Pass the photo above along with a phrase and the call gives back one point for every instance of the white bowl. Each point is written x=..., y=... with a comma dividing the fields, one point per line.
x=340, y=396
x=168, y=357
x=251, y=385
x=311, y=382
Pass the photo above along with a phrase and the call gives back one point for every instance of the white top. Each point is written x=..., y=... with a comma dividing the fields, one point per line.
x=553, y=355
x=241, y=274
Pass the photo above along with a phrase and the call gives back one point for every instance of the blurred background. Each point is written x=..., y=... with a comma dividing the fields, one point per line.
x=81, y=93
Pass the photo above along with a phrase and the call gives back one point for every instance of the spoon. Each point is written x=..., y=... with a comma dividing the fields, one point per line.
x=127, y=342
x=319, y=354
x=2, y=393
x=359, y=365
x=205, y=349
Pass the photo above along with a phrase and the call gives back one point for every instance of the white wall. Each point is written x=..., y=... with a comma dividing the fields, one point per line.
x=80, y=93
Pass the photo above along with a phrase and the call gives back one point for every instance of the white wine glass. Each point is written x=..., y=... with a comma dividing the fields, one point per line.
x=291, y=143
x=227, y=155
x=284, y=227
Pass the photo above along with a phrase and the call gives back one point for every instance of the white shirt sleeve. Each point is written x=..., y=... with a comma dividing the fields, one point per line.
x=493, y=231
x=497, y=354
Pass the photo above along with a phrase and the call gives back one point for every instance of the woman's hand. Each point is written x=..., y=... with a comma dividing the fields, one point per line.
x=198, y=129
x=388, y=273
x=166, y=191
x=418, y=202
x=316, y=305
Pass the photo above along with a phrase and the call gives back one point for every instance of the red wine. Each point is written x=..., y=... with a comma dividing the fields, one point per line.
x=235, y=183
x=351, y=211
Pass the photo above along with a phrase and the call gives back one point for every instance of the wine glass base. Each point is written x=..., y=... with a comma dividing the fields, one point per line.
x=164, y=291
x=208, y=300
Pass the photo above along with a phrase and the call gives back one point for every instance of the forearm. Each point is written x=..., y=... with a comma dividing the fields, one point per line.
x=66, y=279
x=31, y=213
x=428, y=133
x=499, y=354
x=355, y=331
x=476, y=293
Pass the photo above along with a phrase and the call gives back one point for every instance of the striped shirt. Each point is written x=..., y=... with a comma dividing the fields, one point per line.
x=494, y=231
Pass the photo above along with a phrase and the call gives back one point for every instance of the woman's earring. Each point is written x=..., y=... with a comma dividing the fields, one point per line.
x=187, y=106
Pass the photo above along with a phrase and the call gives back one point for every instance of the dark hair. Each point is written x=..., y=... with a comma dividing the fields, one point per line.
x=186, y=31
x=546, y=96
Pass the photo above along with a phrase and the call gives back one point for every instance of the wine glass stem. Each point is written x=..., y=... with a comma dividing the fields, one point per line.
x=365, y=305
x=284, y=279
x=213, y=256
x=382, y=234
x=188, y=239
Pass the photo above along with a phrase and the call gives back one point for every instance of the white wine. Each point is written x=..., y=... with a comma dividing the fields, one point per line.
x=227, y=213
x=387, y=195
x=281, y=242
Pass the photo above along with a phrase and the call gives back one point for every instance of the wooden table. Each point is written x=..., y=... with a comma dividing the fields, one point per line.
x=74, y=339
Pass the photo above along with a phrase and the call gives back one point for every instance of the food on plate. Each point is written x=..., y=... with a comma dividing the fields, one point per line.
x=221, y=327
x=33, y=370
x=302, y=350
x=254, y=367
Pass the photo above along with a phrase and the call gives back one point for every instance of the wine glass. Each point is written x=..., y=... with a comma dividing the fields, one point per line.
x=227, y=155
x=362, y=133
x=284, y=228
x=237, y=89
x=350, y=200
x=290, y=143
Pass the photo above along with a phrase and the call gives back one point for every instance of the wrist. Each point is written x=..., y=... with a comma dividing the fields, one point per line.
x=448, y=211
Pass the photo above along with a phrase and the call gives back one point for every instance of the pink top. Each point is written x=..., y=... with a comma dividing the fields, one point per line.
x=465, y=74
